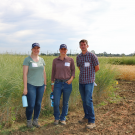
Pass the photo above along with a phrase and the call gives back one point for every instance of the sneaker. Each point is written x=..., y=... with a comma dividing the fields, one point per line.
x=56, y=122
x=63, y=122
x=29, y=124
x=35, y=123
x=83, y=120
x=91, y=125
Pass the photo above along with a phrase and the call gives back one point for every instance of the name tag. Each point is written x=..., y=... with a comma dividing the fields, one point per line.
x=34, y=65
x=67, y=64
x=86, y=64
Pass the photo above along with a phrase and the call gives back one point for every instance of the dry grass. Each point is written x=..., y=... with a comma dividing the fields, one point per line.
x=126, y=72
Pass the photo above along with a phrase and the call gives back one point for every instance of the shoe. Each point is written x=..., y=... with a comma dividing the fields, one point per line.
x=83, y=120
x=35, y=123
x=91, y=125
x=29, y=124
x=63, y=122
x=56, y=122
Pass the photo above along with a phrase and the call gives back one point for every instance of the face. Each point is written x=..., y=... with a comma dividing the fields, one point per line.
x=63, y=51
x=83, y=46
x=36, y=50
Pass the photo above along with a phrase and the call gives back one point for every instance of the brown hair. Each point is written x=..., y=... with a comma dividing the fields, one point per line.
x=82, y=41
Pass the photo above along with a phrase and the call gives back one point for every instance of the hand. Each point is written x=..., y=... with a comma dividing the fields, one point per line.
x=52, y=87
x=44, y=88
x=69, y=81
x=25, y=91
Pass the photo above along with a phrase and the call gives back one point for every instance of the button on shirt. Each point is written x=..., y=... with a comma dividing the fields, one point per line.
x=87, y=63
x=63, y=69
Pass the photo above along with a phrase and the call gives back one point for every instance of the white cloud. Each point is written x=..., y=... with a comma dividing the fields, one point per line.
x=105, y=23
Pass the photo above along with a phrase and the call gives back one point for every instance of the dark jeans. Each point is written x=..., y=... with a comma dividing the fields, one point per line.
x=34, y=98
x=86, y=91
x=59, y=88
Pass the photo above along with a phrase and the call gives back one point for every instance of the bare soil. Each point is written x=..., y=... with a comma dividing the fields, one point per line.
x=116, y=118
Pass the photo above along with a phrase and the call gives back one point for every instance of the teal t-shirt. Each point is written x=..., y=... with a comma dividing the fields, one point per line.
x=35, y=74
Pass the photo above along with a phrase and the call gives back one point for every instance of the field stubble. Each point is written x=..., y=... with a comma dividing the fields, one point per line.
x=125, y=72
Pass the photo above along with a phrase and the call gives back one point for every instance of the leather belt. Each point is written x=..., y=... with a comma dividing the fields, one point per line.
x=58, y=80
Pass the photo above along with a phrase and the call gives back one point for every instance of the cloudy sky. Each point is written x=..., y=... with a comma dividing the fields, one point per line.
x=108, y=25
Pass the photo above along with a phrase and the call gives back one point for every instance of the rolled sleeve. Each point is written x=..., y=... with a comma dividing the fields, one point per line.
x=53, y=71
x=72, y=68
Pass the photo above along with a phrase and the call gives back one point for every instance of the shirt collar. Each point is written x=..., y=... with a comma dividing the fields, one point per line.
x=64, y=57
x=84, y=54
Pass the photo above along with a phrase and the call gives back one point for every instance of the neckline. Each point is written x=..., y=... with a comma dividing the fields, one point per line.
x=85, y=53
x=33, y=60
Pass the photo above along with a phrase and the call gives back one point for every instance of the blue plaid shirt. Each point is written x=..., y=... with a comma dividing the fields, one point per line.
x=87, y=63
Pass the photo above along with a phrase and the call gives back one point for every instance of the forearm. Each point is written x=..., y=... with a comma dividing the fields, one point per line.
x=45, y=78
x=25, y=81
x=72, y=77
x=96, y=68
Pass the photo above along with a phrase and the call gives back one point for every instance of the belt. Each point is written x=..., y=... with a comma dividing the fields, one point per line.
x=61, y=80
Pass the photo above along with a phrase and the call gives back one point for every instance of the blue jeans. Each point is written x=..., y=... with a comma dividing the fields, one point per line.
x=86, y=91
x=59, y=88
x=34, y=98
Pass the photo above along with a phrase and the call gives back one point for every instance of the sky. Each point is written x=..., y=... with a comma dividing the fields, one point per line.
x=108, y=25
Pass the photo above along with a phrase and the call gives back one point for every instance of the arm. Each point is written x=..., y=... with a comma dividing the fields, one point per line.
x=70, y=80
x=53, y=75
x=96, y=68
x=25, y=72
x=77, y=61
x=72, y=68
x=44, y=79
x=52, y=85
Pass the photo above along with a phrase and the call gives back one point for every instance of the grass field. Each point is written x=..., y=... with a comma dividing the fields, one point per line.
x=122, y=60
x=11, y=86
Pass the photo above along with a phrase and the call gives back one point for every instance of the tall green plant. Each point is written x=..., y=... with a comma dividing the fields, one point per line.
x=105, y=79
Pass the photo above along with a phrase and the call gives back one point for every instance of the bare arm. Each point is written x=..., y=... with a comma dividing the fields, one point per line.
x=25, y=72
x=52, y=85
x=44, y=79
x=96, y=68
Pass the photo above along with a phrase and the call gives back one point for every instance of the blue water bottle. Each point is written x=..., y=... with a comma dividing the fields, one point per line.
x=24, y=101
x=52, y=99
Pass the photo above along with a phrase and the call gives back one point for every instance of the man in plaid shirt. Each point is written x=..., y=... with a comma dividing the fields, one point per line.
x=88, y=64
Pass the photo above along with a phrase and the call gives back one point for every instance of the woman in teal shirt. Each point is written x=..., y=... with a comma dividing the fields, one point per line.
x=34, y=78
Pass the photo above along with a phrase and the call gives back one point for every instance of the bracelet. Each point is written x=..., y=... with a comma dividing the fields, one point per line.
x=45, y=85
x=52, y=83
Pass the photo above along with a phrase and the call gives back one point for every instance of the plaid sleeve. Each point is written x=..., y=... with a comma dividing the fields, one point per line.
x=95, y=60
x=77, y=61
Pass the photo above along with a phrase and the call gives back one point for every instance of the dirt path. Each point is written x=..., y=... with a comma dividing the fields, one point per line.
x=111, y=119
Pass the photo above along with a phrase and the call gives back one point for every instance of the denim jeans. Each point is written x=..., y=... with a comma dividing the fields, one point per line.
x=86, y=91
x=59, y=88
x=34, y=98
